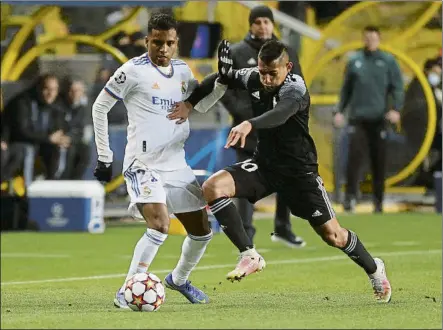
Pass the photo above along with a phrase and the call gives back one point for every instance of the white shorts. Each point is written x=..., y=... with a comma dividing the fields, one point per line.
x=178, y=190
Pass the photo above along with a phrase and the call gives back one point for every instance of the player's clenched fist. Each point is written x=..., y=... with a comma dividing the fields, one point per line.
x=224, y=61
x=103, y=171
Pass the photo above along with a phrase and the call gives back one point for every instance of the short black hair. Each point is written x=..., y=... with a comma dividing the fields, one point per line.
x=430, y=63
x=162, y=22
x=271, y=51
x=371, y=28
x=41, y=79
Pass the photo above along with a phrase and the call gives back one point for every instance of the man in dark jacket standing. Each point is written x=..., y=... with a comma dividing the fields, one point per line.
x=371, y=76
x=237, y=102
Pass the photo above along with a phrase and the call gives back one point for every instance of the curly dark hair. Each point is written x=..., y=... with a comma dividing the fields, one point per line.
x=162, y=22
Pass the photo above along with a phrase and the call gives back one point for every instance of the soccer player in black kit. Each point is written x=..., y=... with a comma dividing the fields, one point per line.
x=285, y=161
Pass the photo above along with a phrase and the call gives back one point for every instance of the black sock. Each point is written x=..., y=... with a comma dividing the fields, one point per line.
x=230, y=221
x=357, y=252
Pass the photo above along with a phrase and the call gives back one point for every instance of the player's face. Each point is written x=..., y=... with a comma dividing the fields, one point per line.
x=262, y=28
x=49, y=90
x=273, y=74
x=162, y=46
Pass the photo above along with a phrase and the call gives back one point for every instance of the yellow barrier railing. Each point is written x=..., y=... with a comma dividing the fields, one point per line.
x=400, y=41
x=308, y=56
x=19, y=39
x=36, y=51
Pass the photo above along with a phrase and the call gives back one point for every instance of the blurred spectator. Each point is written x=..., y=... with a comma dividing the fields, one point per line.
x=117, y=116
x=35, y=127
x=416, y=109
x=245, y=55
x=75, y=106
x=102, y=76
x=138, y=43
x=11, y=158
x=122, y=42
x=131, y=45
x=370, y=77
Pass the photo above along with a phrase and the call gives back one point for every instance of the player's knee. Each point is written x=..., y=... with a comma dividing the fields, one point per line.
x=158, y=221
x=160, y=227
x=335, y=238
x=212, y=190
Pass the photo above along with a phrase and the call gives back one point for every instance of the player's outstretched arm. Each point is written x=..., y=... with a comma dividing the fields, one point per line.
x=293, y=98
x=284, y=109
x=213, y=81
x=203, y=97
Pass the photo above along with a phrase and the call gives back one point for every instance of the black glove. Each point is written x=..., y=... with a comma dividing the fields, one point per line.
x=224, y=62
x=103, y=171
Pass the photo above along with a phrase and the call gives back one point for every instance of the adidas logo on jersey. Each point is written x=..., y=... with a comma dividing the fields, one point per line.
x=155, y=86
x=317, y=213
x=256, y=95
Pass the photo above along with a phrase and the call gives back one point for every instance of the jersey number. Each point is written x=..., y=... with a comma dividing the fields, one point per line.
x=248, y=166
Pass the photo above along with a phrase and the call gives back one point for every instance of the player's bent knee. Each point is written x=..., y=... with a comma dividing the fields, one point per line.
x=159, y=223
x=209, y=188
x=336, y=238
x=213, y=189
x=218, y=185
x=332, y=233
x=156, y=216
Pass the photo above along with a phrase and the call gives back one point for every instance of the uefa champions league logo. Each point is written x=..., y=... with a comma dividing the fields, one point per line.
x=57, y=219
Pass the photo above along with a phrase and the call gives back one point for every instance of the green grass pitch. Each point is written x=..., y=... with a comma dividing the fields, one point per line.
x=314, y=287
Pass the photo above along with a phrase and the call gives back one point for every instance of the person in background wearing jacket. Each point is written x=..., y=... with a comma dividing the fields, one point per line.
x=35, y=126
x=415, y=113
x=237, y=102
x=75, y=104
x=371, y=76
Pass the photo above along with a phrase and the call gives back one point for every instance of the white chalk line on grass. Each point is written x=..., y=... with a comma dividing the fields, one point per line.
x=405, y=243
x=209, y=267
x=32, y=255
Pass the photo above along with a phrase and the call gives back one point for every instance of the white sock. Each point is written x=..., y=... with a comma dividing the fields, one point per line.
x=193, y=249
x=249, y=252
x=144, y=252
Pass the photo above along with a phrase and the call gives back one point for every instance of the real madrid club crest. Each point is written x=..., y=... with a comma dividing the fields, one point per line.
x=146, y=190
x=183, y=87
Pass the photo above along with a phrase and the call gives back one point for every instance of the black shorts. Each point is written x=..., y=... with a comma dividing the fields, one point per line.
x=304, y=193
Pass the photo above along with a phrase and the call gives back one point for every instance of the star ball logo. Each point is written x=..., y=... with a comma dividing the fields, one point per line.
x=121, y=78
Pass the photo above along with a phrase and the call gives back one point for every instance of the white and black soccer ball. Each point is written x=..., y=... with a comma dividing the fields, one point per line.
x=144, y=292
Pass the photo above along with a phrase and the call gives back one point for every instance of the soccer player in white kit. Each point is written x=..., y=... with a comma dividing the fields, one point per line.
x=158, y=179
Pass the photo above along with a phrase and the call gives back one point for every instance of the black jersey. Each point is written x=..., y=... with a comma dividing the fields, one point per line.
x=281, y=119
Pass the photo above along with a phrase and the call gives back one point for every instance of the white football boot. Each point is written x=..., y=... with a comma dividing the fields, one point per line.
x=380, y=282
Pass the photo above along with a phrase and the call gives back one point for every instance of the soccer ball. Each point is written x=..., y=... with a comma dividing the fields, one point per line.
x=144, y=292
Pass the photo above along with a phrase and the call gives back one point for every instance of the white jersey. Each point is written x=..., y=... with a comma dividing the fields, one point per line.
x=148, y=95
